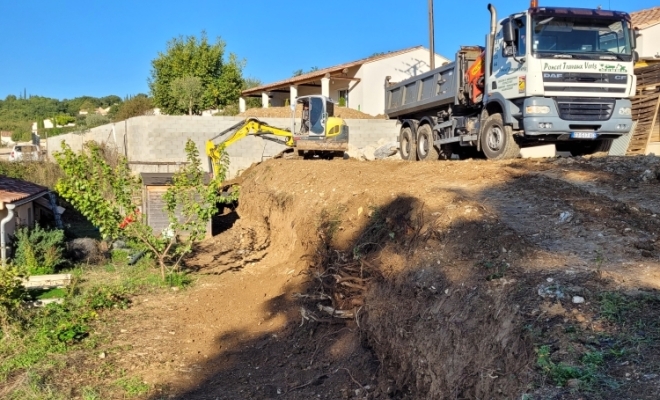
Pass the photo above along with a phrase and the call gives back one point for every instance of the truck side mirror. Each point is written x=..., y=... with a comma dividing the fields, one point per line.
x=633, y=37
x=508, y=32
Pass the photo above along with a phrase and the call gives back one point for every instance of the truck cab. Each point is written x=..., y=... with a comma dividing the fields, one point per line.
x=563, y=75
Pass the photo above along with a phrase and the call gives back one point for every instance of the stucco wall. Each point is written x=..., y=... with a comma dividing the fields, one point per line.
x=369, y=94
x=156, y=143
x=22, y=215
x=648, y=45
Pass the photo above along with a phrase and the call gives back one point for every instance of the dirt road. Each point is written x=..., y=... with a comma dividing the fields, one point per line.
x=464, y=279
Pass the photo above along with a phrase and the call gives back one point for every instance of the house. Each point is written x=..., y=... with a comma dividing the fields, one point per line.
x=647, y=22
x=21, y=204
x=360, y=84
x=5, y=138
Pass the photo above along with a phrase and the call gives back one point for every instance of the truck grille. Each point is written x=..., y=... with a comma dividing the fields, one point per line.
x=585, y=110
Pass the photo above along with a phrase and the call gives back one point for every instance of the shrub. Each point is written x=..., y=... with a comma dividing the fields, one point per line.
x=38, y=250
x=12, y=293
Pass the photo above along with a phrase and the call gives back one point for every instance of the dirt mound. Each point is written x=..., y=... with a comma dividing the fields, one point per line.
x=443, y=280
x=285, y=112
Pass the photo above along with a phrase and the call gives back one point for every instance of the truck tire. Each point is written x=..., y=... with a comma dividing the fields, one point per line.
x=497, y=141
x=407, y=145
x=425, y=148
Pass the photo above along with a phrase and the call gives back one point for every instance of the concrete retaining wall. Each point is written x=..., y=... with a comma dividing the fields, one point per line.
x=156, y=143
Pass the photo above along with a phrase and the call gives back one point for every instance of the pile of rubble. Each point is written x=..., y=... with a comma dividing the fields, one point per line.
x=382, y=150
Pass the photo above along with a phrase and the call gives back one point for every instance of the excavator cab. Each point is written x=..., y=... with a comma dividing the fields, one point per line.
x=318, y=119
x=315, y=114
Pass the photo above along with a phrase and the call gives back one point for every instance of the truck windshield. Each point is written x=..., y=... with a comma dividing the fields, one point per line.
x=571, y=37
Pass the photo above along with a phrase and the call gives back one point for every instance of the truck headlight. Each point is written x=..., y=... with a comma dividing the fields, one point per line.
x=625, y=111
x=537, y=110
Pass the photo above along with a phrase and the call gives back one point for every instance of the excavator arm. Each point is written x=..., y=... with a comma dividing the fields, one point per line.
x=250, y=126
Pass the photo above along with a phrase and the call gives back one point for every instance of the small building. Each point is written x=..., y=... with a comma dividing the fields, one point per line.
x=358, y=84
x=153, y=205
x=647, y=22
x=21, y=204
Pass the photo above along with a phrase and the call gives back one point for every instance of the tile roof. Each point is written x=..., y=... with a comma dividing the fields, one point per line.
x=645, y=18
x=12, y=190
x=321, y=72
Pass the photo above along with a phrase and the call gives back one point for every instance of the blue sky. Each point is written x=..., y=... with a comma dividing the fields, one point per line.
x=70, y=48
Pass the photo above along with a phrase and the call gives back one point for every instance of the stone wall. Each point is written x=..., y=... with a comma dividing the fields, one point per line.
x=156, y=143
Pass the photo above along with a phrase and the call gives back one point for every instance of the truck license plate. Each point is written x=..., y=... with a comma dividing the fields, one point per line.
x=584, y=135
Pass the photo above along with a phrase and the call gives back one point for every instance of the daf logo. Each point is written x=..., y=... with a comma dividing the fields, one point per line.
x=554, y=76
x=620, y=77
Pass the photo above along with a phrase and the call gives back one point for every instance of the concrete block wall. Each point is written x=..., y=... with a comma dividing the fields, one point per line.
x=156, y=143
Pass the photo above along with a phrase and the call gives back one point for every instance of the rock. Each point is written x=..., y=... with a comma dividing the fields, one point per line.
x=647, y=176
x=119, y=244
x=578, y=299
x=353, y=152
x=368, y=153
x=573, y=383
x=395, y=156
x=386, y=150
x=84, y=249
x=565, y=217
x=102, y=355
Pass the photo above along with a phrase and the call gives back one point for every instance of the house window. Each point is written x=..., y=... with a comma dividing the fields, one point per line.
x=343, y=98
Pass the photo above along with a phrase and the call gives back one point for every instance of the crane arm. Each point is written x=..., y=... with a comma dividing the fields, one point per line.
x=250, y=126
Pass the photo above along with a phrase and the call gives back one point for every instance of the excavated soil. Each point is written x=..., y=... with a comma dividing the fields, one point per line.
x=532, y=279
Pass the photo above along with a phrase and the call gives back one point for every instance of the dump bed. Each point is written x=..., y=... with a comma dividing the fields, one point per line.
x=431, y=90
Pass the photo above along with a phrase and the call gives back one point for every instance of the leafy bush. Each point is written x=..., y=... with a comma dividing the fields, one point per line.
x=21, y=136
x=38, y=250
x=11, y=294
x=64, y=119
x=94, y=120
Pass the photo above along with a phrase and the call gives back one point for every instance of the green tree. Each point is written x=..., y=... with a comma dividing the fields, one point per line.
x=187, y=91
x=252, y=102
x=133, y=107
x=190, y=56
x=105, y=191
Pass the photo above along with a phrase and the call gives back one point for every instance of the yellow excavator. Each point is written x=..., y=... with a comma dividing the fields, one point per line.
x=320, y=133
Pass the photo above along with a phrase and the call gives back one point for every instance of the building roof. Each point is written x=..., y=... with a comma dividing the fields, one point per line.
x=316, y=75
x=13, y=190
x=645, y=18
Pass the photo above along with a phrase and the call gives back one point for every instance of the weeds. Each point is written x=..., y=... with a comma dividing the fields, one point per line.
x=613, y=306
x=133, y=386
x=39, y=250
x=496, y=269
x=561, y=373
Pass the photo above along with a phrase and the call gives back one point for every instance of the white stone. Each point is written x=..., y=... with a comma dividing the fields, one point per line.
x=578, y=299
x=368, y=153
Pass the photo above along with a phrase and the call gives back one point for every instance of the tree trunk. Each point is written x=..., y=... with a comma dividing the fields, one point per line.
x=161, y=262
x=190, y=108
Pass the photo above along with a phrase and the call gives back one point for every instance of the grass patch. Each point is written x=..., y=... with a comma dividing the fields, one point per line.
x=43, y=294
x=34, y=346
x=133, y=386
x=560, y=373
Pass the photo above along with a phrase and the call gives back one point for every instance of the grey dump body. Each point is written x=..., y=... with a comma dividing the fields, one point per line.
x=433, y=89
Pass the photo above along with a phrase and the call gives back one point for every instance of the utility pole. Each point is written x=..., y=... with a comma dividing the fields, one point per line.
x=431, y=36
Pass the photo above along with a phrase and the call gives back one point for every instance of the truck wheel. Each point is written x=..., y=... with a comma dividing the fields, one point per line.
x=497, y=140
x=407, y=145
x=425, y=148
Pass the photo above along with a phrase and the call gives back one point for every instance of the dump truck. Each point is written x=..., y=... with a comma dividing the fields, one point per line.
x=320, y=134
x=546, y=75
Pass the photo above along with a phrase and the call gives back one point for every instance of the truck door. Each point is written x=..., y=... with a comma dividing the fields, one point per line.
x=510, y=61
x=316, y=116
